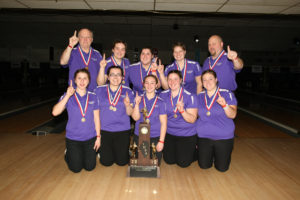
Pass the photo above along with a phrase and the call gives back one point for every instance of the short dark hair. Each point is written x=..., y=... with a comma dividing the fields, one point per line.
x=115, y=67
x=179, y=44
x=150, y=75
x=116, y=41
x=175, y=72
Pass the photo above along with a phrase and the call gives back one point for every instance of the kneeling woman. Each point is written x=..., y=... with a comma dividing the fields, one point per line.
x=115, y=102
x=181, y=138
x=156, y=114
x=215, y=127
x=83, y=127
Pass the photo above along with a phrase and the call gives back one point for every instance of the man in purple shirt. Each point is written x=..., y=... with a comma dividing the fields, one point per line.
x=82, y=56
x=226, y=65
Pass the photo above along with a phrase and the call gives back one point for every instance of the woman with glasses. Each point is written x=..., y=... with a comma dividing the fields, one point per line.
x=215, y=127
x=156, y=115
x=138, y=71
x=116, y=102
x=190, y=70
x=182, y=110
x=83, y=127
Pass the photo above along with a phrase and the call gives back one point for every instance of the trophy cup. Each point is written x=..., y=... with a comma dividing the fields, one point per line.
x=143, y=166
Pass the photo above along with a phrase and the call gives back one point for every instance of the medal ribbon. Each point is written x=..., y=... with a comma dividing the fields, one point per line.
x=216, y=61
x=116, y=64
x=116, y=99
x=89, y=56
x=147, y=72
x=153, y=105
x=179, y=97
x=184, y=68
x=208, y=107
x=86, y=104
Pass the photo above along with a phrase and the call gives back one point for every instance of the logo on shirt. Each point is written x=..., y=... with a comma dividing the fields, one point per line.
x=94, y=59
x=91, y=102
x=219, y=63
x=189, y=72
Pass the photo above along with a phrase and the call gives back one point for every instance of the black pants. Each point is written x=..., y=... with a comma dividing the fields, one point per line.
x=179, y=150
x=80, y=154
x=214, y=151
x=152, y=140
x=114, y=148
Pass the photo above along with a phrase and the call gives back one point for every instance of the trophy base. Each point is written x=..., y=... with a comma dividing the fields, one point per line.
x=143, y=171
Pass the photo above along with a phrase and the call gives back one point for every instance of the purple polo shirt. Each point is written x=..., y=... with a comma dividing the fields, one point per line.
x=135, y=77
x=113, y=121
x=225, y=72
x=76, y=129
x=217, y=126
x=193, y=70
x=178, y=126
x=159, y=109
x=124, y=65
x=76, y=62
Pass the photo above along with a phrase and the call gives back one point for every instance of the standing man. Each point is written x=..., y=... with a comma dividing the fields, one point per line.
x=82, y=56
x=226, y=65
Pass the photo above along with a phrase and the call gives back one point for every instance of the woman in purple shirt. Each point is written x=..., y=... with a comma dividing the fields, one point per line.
x=156, y=115
x=215, y=127
x=116, y=102
x=83, y=127
x=138, y=71
x=180, y=142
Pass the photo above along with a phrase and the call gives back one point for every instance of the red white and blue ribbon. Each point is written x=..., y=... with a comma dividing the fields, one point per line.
x=179, y=97
x=216, y=61
x=83, y=112
x=86, y=62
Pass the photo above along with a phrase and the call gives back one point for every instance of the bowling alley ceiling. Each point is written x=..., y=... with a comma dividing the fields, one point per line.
x=282, y=7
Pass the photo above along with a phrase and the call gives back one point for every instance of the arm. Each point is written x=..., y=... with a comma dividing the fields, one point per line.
x=64, y=59
x=61, y=105
x=199, y=84
x=97, y=127
x=163, y=78
x=189, y=114
x=163, y=130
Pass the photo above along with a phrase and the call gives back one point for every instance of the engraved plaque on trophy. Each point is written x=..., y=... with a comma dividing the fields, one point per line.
x=144, y=165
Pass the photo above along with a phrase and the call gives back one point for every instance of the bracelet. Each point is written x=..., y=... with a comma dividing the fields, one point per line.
x=181, y=112
x=236, y=58
x=161, y=141
x=153, y=70
x=70, y=46
x=223, y=106
x=98, y=136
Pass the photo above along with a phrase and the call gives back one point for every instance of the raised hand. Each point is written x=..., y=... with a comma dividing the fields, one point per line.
x=180, y=105
x=103, y=62
x=126, y=100
x=137, y=99
x=70, y=90
x=231, y=55
x=73, y=40
x=160, y=68
x=221, y=100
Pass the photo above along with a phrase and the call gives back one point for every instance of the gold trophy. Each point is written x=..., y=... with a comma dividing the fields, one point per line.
x=143, y=166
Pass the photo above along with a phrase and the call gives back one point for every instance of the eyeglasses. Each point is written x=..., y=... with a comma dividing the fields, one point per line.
x=115, y=75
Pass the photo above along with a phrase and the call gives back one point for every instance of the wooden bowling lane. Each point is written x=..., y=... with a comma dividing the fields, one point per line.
x=247, y=126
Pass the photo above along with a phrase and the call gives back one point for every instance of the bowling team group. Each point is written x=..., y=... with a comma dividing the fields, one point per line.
x=190, y=108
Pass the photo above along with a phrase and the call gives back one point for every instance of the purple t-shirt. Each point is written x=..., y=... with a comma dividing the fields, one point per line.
x=137, y=73
x=124, y=65
x=224, y=70
x=193, y=69
x=178, y=126
x=118, y=120
x=217, y=125
x=76, y=62
x=159, y=109
x=76, y=129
